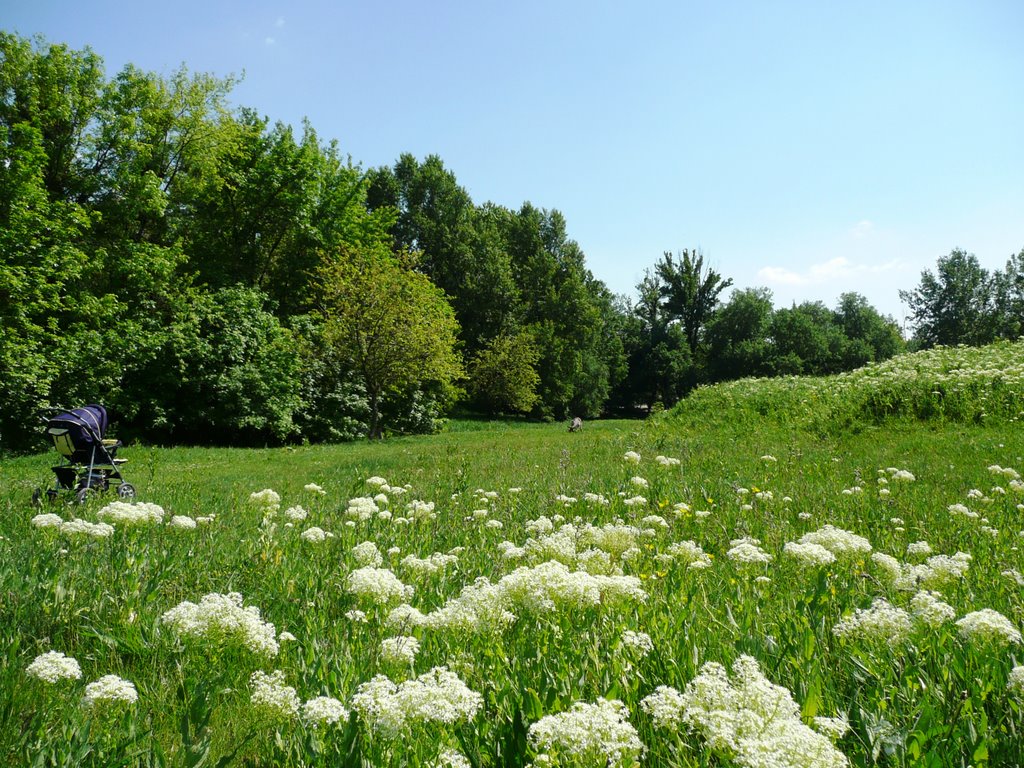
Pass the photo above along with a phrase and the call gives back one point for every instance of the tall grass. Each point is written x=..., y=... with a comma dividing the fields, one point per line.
x=937, y=697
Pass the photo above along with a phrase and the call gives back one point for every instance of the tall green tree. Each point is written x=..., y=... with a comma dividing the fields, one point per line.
x=738, y=336
x=954, y=304
x=691, y=292
x=389, y=325
x=1009, y=298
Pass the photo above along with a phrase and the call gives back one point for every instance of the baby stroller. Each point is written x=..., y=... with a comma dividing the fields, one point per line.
x=90, y=462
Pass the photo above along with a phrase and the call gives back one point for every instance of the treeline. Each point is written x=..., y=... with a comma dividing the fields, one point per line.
x=214, y=277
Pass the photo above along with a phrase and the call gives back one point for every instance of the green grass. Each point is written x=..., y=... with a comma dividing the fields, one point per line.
x=937, y=699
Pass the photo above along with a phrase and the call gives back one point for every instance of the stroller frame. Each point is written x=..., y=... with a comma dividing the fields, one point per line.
x=90, y=463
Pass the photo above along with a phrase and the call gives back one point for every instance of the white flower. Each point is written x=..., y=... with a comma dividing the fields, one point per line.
x=988, y=626
x=833, y=727
x=437, y=696
x=930, y=608
x=690, y=553
x=314, y=489
x=314, y=534
x=1015, y=683
x=639, y=482
x=919, y=548
x=367, y=554
x=272, y=697
x=428, y=566
x=85, y=528
x=377, y=481
x=420, y=510
x=361, y=508
x=356, y=615
x=840, y=543
x=47, y=520
x=637, y=641
x=400, y=651
x=323, y=710
x=450, y=758
x=809, y=553
x=881, y=622
x=747, y=551
x=589, y=734
x=377, y=585
x=53, y=666
x=295, y=514
x=631, y=457
x=267, y=500
x=667, y=461
x=127, y=515
x=747, y=719
x=222, y=618
x=182, y=522
x=109, y=691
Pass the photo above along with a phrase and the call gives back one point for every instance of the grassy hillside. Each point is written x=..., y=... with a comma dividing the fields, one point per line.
x=554, y=571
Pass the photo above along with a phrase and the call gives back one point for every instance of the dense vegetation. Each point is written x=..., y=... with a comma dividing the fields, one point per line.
x=192, y=265
x=846, y=548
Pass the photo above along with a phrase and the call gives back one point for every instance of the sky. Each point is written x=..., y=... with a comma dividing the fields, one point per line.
x=812, y=148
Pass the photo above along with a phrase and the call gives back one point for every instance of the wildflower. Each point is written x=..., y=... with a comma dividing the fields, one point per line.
x=631, y=457
x=296, y=514
x=640, y=642
x=639, y=482
x=47, y=520
x=428, y=566
x=768, y=459
x=902, y=476
x=690, y=553
x=961, y=510
x=323, y=711
x=183, y=522
x=377, y=481
x=988, y=626
x=747, y=719
x=356, y=615
x=809, y=553
x=655, y=521
x=929, y=608
x=881, y=622
x=919, y=548
x=451, y=758
x=840, y=543
x=314, y=534
x=53, y=666
x=271, y=697
x=85, y=528
x=314, y=489
x=367, y=554
x=667, y=461
x=747, y=551
x=223, y=618
x=377, y=585
x=635, y=501
x=420, y=510
x=128, y=515
x=589, y=734
x=361, y=508
x=833, y=727
x=596, y=498
x=267, y=500
x=400, y=651
x=437, y=696
x=1015, y=682
x=108, y=692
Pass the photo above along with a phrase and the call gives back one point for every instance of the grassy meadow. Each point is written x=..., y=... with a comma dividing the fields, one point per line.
x=776, y=573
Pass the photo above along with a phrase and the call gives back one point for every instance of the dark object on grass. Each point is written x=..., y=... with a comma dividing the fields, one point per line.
x=577, y=424
x=90, y=462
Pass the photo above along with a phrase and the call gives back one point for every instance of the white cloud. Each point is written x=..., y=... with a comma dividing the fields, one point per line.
x=862, y=229
x=833, y=270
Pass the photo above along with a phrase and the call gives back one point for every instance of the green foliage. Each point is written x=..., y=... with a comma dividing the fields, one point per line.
x=388, y=325
x=953, y=305
x=503, y=376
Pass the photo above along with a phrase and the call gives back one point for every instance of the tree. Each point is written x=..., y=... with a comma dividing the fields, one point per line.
x=871, y=336
x=1009, y=298
x=690, y=291
x=503, y=376
x=955, y=304
x=737, y=336
x=390, y=326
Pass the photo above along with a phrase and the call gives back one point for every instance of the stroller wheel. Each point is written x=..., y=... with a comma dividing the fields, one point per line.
x=126, y=491
x=82, y=495
x=37, y=498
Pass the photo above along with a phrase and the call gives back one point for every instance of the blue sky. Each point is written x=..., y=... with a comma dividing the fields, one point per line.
x=809, y=147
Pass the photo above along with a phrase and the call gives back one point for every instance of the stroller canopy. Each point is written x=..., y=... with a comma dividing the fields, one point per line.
x=79, y=429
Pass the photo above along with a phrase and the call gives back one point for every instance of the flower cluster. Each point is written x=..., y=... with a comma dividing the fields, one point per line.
x=127, y=515
x=221, y=618
x=747, y=718
x=109, y=692
x=988, y=626
x=588, y=734
x=842, y=544
x=377, y=585
x=271, y=697
x=54, y=666
x=437, y=696
x=882, y=622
